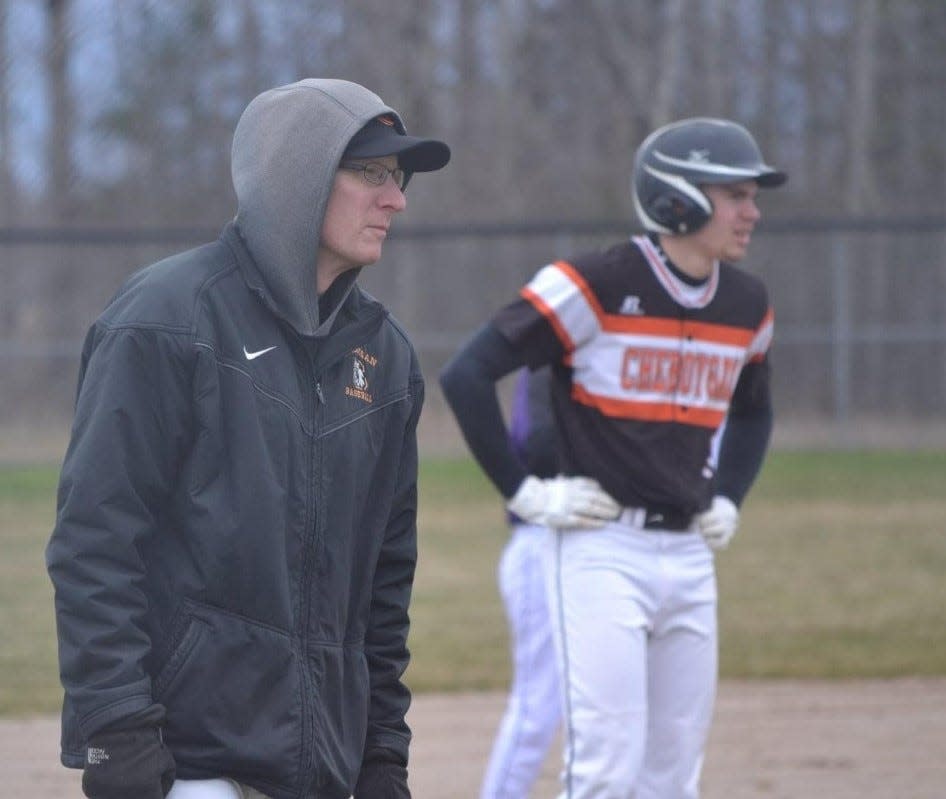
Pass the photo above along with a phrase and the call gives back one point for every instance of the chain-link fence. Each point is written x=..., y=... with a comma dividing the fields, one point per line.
x=860, y=317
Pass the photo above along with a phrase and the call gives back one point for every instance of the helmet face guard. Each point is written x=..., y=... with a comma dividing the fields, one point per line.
x=674, y=161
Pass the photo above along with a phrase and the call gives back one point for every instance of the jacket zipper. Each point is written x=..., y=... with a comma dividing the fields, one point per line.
x=313, y=543
x=309, y=699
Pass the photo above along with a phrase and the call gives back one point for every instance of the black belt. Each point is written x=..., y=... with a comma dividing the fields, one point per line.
x=658, y=519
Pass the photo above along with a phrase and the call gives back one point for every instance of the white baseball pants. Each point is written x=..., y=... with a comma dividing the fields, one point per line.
x=636, y=635
x=533, y=707
x=212, y=789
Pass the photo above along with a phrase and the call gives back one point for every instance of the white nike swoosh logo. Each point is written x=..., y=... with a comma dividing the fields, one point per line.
x=251, y=355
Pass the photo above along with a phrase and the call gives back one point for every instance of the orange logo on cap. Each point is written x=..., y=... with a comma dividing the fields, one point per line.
x=387, y=120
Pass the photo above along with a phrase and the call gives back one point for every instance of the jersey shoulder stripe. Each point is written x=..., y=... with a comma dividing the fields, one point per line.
x=561, y=295
x=759, y=346
x=543, y=308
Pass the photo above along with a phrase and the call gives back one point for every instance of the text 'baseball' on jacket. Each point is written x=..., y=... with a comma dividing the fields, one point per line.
x=236, y=537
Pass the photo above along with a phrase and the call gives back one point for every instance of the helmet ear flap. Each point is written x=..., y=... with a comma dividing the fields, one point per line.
x=677, y=212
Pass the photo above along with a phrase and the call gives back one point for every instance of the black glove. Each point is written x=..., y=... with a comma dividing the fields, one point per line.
x=128, y=764
x=383, y=776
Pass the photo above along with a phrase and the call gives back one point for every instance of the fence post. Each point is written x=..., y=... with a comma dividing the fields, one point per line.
x=841, y=334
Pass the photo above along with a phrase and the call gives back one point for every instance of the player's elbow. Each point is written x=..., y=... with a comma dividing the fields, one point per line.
x=456, y=378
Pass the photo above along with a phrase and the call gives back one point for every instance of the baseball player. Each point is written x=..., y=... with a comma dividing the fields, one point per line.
x=533, y=710
x=653, y=344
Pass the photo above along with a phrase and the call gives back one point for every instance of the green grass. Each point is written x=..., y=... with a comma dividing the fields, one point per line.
x=837, y=571
x=29, y=679
x=459, y=637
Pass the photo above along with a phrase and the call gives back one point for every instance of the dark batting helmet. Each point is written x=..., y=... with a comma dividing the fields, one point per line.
x=674, y=161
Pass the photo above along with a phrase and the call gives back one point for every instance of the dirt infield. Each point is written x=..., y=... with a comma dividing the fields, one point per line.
x=872, y=739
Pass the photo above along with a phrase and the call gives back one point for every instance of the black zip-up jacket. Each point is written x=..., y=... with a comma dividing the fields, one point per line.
x=236, y=531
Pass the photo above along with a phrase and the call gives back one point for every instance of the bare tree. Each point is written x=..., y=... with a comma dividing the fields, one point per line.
x=251, y=47
x=61, y=113
x=7, y=185
x=775, y=25
x=176, y=129
x=414, y=62
x=718, y=43
x=526, y=90
x=859, y=190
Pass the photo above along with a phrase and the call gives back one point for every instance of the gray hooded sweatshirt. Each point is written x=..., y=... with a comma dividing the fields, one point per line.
x=235, y=539
x=286, y=150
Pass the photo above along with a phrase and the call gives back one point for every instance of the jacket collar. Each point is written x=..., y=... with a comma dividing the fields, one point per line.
x=343, y=297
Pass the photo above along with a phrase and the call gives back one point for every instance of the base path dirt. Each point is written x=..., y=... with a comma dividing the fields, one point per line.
x=865, y=739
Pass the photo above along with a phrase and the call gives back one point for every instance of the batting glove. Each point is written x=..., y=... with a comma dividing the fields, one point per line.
x=718, y=524
x=128, y=763
x=564, y=502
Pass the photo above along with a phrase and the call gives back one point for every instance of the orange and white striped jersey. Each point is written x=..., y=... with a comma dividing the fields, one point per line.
x=647, y=364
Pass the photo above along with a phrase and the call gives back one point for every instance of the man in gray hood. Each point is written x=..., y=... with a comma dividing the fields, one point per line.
x=235, y=539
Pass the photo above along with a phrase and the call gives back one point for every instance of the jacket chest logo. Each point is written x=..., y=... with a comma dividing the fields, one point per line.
x=358, y=375
x=359, y=386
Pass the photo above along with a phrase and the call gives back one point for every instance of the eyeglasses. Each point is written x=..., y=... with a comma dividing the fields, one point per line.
x=376, y=173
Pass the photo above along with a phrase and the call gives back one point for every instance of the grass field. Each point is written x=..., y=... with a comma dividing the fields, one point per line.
x=837, y=571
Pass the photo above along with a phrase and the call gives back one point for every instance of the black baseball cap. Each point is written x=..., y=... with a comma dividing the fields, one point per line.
x=381, y=137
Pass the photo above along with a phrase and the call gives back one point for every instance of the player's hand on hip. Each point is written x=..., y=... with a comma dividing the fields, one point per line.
x=564, y=502
x=719, y=523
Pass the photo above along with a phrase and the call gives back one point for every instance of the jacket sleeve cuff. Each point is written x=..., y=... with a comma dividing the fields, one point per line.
x=116, y=716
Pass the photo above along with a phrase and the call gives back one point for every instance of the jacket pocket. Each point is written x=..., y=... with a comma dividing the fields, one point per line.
x=232, y=691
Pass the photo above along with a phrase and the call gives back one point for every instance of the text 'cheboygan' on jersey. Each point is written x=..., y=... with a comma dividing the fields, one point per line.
x=647, y=365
